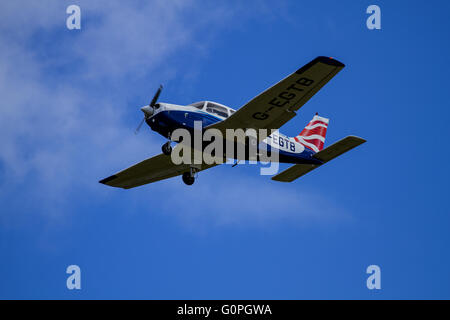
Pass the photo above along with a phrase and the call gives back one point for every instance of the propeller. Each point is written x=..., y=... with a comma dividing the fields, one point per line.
x=139, y=126
x=150, y=109
x=155, y=98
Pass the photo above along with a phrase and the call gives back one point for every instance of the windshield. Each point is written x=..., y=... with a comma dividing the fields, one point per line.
x=198, y=105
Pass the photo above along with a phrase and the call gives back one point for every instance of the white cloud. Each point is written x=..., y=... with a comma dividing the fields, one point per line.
x=56, y=132
x=61, y=127
x=226, y=197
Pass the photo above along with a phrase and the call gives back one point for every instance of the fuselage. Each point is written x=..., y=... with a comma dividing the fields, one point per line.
x=168, y=117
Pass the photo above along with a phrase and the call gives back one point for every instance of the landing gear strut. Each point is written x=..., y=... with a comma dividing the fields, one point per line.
x=166, y=148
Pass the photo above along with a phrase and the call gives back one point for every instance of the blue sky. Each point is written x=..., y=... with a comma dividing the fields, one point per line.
x=70, y=104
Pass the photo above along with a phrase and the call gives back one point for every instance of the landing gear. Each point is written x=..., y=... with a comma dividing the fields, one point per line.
x=188, y=178
x=166, y=148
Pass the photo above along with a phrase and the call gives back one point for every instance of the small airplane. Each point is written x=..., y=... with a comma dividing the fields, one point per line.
x=269, y=110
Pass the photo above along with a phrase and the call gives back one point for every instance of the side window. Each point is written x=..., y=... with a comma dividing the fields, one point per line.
x=219, y=110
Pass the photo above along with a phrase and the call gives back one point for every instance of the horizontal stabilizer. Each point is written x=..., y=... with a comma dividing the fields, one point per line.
x=338, y=148
x=327, y=154
x=294, y=172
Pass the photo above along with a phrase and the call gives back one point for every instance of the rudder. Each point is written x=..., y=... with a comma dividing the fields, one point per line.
x=313, y=135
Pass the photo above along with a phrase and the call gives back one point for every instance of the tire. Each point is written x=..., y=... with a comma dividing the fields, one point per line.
x=187, y=179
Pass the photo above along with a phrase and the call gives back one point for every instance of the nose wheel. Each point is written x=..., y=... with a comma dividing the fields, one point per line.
x=166, y=148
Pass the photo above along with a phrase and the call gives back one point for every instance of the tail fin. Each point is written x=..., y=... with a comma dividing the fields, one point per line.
x=313, y=136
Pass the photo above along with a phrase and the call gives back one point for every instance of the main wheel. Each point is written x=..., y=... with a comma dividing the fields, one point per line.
x=166, y=148
x=188, y=179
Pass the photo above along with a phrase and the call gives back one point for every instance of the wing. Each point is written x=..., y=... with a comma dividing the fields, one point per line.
x=277, y=105
x=151, y=170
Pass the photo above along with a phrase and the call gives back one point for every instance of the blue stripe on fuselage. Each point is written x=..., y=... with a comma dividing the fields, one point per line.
x=167, y=121
x=306, y=156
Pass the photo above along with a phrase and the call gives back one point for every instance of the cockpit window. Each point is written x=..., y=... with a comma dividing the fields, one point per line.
x=198, y=105
x=232, y=111
x=219, y=110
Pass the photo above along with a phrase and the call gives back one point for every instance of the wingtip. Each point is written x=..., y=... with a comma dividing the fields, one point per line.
x=321, y=59
x=330, y=61
x=106, y=180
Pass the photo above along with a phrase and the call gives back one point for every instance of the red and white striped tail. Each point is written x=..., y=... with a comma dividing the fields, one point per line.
x=313, y=136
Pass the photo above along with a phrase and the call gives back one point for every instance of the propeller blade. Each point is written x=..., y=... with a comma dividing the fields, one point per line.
x=139, y=126
x=152, y=104
x=155, y=98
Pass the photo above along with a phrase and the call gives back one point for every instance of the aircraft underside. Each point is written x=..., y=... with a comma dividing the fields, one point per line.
x=269, y=110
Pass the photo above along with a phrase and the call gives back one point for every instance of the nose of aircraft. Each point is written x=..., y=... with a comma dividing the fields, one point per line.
x=147, y=110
